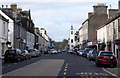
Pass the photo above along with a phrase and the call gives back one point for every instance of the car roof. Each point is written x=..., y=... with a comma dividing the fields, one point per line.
x=106, y=51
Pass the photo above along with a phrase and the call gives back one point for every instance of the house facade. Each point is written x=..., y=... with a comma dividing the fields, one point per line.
x=110, y=34
x=3, y=33
x=89, y=26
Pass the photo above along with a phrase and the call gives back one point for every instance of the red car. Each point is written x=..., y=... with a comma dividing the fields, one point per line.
x=106, y=58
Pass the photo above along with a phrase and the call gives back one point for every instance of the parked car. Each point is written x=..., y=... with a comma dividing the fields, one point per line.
x=53, y=51
x=92, y=55
x=71, y=51
x=80, y=52
x=106, y=58
x=59, y=51
x=86, y=50
x=13, y=55
x=26, y=54
x=33, y=52
x=39, y=52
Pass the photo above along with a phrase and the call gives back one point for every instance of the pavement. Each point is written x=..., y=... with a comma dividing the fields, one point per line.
x=116, y=70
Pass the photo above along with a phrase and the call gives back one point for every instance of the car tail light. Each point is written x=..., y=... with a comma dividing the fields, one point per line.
x=100, y=57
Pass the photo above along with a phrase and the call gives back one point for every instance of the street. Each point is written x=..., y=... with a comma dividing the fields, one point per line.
x=55, y=65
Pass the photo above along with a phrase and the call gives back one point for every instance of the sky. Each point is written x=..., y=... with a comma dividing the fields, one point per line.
x=57, y=16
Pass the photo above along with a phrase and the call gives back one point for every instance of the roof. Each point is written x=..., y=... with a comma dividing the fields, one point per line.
x=117, y=15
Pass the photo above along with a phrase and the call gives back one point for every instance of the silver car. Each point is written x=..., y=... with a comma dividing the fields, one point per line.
x=26, y=54
x=92, y=55
x=34, y=52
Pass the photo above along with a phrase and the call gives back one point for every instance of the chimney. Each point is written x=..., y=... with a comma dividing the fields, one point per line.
x=14, y=7
x=112, y=12
x=90, y=14
x=100, y=8
x=2, y=6
x=6, y=6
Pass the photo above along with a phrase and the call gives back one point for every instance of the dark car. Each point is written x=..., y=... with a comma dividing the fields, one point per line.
x=106, y=58
x=13, y=55
x=85, y=51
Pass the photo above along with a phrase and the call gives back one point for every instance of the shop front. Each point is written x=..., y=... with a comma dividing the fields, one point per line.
x=117, y=48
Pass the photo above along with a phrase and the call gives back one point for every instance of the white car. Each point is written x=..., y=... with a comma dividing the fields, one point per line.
x=53, y=51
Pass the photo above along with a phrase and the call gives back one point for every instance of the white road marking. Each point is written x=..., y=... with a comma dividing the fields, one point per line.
x=109, y=72
x=65, y=70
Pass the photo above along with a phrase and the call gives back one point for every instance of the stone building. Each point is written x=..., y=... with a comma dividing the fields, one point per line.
x=110, y=32
x=23, y=24
x=89, y=26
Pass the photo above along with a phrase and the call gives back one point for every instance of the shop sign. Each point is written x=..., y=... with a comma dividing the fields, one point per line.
x=116, y=42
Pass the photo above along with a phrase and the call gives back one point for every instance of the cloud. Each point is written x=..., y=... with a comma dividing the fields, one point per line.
x=55, y=0
x=58, y=15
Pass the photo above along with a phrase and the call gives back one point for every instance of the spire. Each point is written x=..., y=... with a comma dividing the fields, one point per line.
x=71, y=27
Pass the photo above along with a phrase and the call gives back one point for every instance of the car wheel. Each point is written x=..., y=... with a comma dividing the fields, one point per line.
x=18, y=59
x=97, y=64
x=5, y=61
x=113, y=65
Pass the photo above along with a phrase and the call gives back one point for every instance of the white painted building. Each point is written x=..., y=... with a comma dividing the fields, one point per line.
x=71, y=38
x=3, y=33
x=30, y=40
x=43, y=32
x=10, y=30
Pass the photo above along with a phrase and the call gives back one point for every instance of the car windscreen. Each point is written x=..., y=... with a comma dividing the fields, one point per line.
x=32, y=50
x=95, y=52
x=23, y=51
x=106, y=53
x=87, y=50
x=10, y=52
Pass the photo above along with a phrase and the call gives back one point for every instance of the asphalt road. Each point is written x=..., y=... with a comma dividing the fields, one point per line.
x=61, y=65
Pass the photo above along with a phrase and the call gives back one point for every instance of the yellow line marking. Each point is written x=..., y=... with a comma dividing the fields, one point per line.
x=64, y=77
x=78, y=73
x=82, y=73
x=96, y=74
x=90, y=73
x=65, y=73
x=85, y=73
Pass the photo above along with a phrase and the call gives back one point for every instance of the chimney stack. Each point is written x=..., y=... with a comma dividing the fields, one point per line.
x=2, y=6
x=100, y=8
x=14, y=7
x=119, y=4
x=6, y=6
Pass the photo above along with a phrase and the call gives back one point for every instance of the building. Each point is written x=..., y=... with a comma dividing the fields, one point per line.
x=110, y=32
x=46, y=44
x=89, y=26
x=39, y=41
x=23, y=24
x=3, y=33
x=71, y=40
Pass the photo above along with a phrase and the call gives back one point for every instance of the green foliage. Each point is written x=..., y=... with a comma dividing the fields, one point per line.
x=61, y=45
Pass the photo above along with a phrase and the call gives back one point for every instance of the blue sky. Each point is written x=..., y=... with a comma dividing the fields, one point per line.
x=56, y=16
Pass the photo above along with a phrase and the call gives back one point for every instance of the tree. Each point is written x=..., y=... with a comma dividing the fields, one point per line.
x=63, y=44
